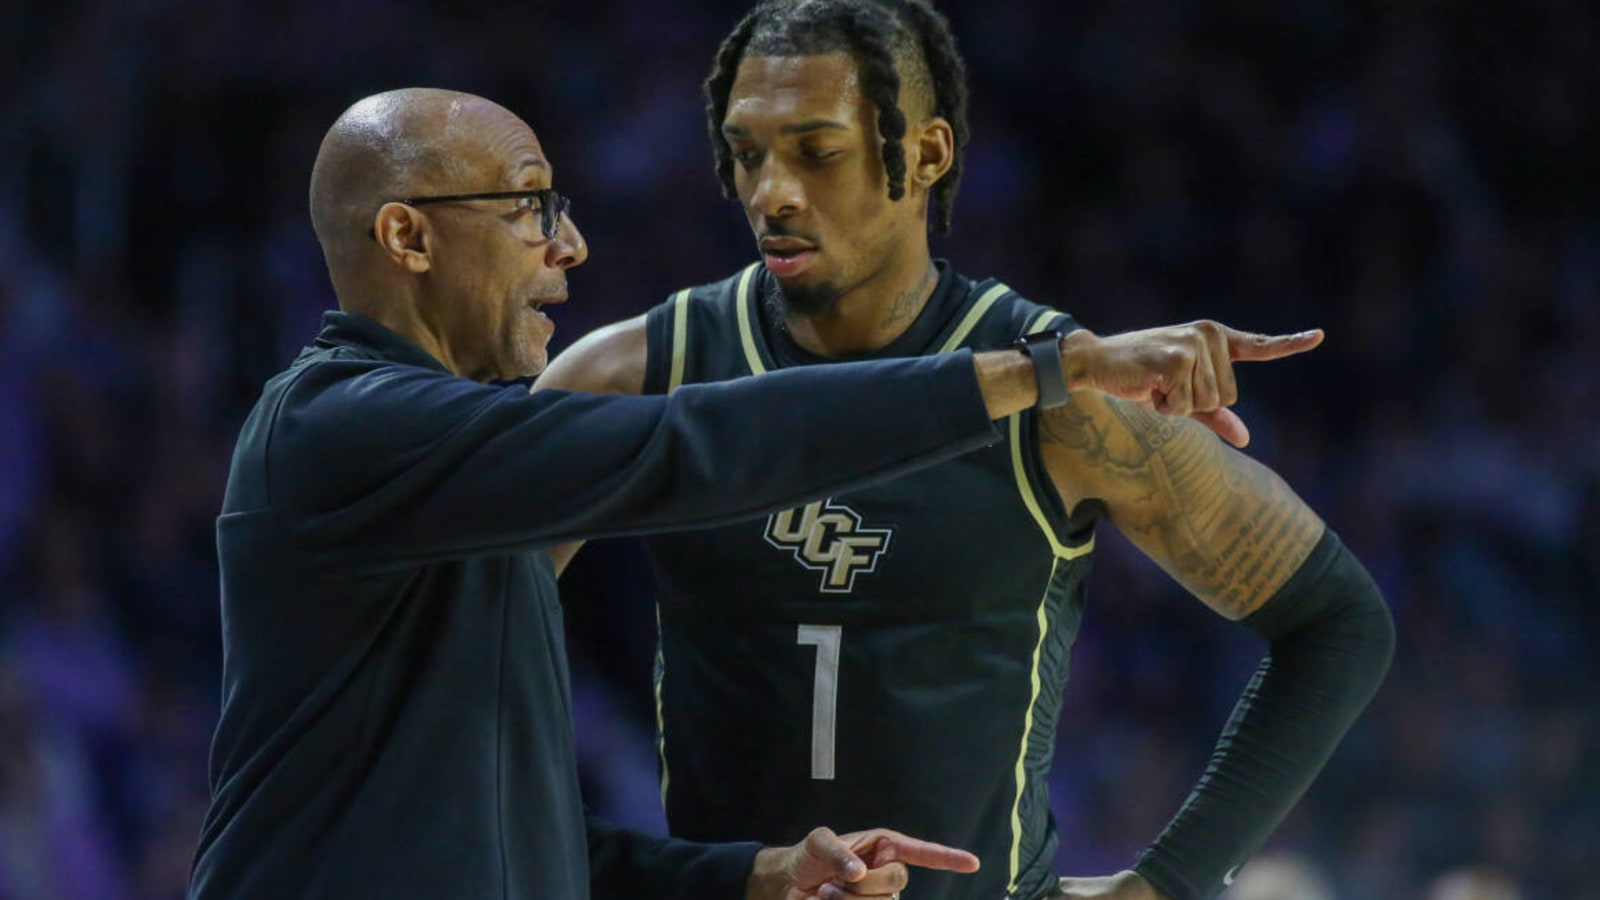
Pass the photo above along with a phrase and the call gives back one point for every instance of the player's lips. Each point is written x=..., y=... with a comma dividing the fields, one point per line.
x=787, y=256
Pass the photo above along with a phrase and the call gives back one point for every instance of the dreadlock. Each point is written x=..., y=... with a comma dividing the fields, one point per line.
x=891, y=40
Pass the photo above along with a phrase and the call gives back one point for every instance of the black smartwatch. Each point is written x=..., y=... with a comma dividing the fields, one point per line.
x=1044, y=348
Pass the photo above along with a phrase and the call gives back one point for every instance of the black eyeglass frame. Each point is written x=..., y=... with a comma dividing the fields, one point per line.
x=552, y=204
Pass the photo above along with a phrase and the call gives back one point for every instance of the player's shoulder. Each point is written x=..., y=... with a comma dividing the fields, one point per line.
x=608, y=360
x=617, y=358
x=1008, y=314
x=717, y=295
x=714, y=311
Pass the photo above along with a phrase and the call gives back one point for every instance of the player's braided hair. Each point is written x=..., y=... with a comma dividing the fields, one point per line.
x=889, y=39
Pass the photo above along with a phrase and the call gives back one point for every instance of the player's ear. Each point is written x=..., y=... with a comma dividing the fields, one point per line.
x=935, y=144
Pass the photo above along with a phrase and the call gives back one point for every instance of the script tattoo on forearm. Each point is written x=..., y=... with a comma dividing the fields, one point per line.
x=1224, y=525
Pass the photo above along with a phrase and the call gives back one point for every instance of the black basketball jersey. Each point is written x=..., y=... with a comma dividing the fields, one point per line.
x=892, y=657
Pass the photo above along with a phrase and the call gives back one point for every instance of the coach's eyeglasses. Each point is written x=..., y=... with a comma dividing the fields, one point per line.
x=547, y=203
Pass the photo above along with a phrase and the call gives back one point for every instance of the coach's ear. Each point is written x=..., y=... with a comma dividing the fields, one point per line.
x=402, y=232
x=934, y=142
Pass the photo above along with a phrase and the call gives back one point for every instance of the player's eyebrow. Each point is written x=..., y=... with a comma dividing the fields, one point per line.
x=806, y=127
x=811, y=125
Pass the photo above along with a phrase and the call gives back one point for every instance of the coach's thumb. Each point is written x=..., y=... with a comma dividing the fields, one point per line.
x=825, y=845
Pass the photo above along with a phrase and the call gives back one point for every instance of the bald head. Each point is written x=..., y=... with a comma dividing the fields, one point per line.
x=464, y=276
x=412, y=142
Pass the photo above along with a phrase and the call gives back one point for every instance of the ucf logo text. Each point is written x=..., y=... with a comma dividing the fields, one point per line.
x=828, y=537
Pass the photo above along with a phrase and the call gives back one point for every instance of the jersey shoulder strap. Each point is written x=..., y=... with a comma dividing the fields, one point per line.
x=996, y=317
x=703, y=333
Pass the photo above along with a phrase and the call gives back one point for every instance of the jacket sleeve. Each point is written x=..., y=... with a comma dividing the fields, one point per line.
x=629, y=864
x=382, y=465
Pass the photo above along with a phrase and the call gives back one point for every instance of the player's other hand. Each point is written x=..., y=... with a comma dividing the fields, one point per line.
x=1121, y=886
x=827, y=866
x=1183, y=370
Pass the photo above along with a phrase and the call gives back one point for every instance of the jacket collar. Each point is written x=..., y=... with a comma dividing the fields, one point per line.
x=368, y=336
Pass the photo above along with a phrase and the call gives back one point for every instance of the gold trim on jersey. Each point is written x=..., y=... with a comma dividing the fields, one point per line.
x=661, y=718
x=1039, y=321
x=680, y=338
x=1063, y=553
x=1027, y=730
x=1031, y=500
x=747, y=334
x=971, y=319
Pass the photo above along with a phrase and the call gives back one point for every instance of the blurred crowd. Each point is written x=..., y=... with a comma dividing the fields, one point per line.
x=1419, y=178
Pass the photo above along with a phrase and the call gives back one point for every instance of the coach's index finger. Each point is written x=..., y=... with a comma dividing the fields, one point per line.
x=882, y=846
x=1246, y=346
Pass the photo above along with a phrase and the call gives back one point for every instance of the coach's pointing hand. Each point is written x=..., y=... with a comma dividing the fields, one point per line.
x=826, y=866
x=1184, y=370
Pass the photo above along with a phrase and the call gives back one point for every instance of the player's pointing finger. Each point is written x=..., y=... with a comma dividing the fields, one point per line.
x=1251, y=347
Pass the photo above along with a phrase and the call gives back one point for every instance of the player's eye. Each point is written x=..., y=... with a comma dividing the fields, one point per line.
x=530, y=204
x=819, y=154
x=747, y=158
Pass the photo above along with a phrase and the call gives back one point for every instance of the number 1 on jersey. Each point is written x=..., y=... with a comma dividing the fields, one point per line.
x=825, y=696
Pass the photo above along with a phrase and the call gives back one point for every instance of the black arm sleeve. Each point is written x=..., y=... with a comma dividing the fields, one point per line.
x=1332, y=640
x=624, y=865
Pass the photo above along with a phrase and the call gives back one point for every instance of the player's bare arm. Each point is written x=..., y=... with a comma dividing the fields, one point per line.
x=1233, y=533
x=1225, y=526
x=609, y=360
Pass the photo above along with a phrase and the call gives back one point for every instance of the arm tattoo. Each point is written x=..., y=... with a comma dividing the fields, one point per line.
x=1070, y=426
x=1221, y=523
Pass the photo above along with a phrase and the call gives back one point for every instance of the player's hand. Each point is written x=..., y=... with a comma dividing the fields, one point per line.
x=1121, y=886
x=826, y=866
x=1183, y=370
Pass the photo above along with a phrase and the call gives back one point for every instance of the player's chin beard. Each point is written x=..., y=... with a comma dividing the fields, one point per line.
x=802, y=301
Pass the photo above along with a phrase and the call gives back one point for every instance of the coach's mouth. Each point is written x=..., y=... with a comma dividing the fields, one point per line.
x=537, y=303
